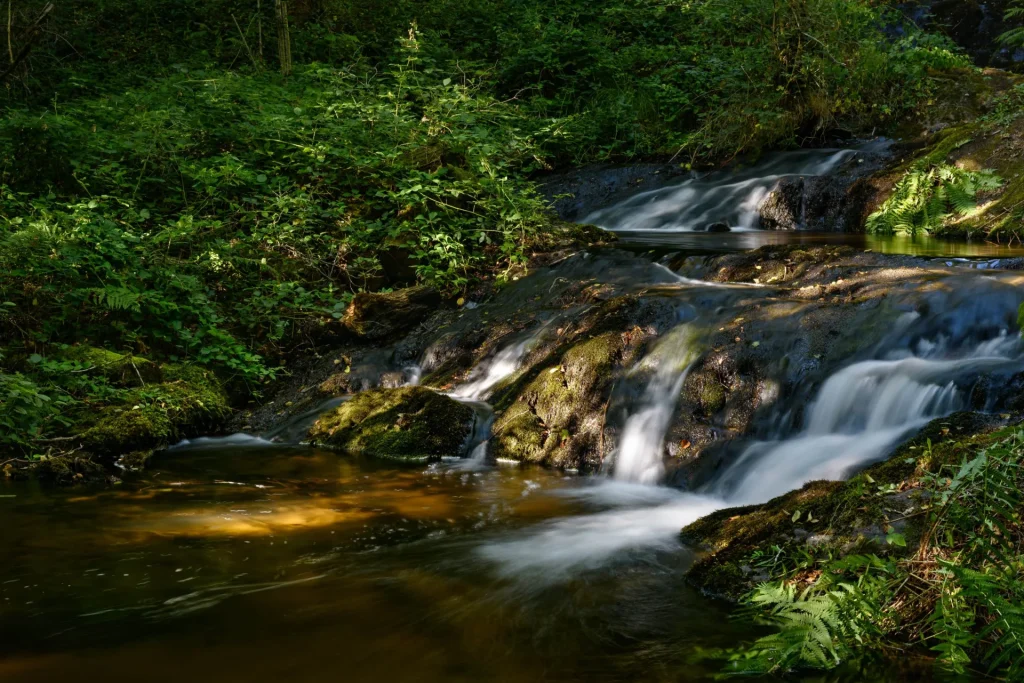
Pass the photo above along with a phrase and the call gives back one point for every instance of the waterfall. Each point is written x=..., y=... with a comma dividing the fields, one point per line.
x=858, y=415
x=639, y=457
x=490, y=373
x=731, y=198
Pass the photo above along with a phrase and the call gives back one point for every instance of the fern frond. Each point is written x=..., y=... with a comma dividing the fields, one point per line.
x=927, y=199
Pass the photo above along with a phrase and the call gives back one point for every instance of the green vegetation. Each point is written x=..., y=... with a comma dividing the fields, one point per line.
x=927, y=200
x=166, y=192
x=952, y=581
x=1014, y=14
x=410, y=424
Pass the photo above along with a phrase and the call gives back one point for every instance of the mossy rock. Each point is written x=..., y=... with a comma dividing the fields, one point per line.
x=409, y=424
x=151, y=417
x=67, y=469
x=383, y=315
x=558, y=418
x=121, y=369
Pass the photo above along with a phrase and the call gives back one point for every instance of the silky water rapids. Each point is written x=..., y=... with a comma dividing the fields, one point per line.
x=263, y=559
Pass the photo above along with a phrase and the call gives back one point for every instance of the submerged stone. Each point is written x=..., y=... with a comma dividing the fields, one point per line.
x=409, y=423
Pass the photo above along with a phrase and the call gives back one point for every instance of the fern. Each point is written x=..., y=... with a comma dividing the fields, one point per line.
x=818, y=627
x=808, y=626
x=1015, y=36
x=925, y=200
x=966, y=600
x=118, y=298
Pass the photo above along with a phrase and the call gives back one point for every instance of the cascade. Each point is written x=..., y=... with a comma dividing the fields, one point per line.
x=638, y=458
x=731, y=198
x=858, y=415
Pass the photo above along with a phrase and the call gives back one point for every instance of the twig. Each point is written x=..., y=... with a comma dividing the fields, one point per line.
x=29, y=39
x=58, y=439
x=137, y=373
x=244, y=41
x=10, y=45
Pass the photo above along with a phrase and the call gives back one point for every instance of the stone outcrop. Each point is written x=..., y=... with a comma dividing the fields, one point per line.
x=409, y=424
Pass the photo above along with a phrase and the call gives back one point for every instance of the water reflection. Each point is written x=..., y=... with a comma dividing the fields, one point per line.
x=268, y=563
x=716, y=243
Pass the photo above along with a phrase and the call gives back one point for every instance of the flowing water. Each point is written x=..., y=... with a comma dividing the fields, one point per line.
x=258, y=559
x=729, y=197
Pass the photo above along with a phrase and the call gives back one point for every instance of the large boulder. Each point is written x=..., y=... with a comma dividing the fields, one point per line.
x=558, y=418
x=378, y=316
x=783, y=208
x=411, y=424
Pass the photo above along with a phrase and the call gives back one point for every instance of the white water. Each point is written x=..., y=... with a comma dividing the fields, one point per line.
x=486, y=376
x=700, y=201
x=858, y=416
x=639, y=457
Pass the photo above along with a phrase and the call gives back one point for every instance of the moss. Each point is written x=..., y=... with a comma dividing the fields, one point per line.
x=843, y=516
x=67, y=469
x=120, y=369
x=154, y=416
x=711, y=395
x=563, y=235
x=409, y=423
x=558, y=417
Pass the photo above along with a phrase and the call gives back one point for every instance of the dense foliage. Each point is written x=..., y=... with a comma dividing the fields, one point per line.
x=166, y=192
x=960, y=592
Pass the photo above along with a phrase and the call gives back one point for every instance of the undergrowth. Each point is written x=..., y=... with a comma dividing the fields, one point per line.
x=960, y=592
x=165, y=192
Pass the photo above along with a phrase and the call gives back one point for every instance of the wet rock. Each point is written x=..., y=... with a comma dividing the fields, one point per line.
x=555, y=413
x=410, y=423
x=378, y=316
x=577, y=192
x=783, y=209
x=717, y=227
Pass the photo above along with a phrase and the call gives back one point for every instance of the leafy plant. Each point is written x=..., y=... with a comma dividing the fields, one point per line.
x=1014, y=14
x=925, y=200
x=961, y=592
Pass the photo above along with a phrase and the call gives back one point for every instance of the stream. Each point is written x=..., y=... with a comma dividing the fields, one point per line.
x=260, y=559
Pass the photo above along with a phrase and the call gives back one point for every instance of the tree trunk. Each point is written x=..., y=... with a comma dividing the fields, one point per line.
x=284, y=38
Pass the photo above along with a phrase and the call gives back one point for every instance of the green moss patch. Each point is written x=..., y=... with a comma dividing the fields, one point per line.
x=409, y=423
x=191, y=402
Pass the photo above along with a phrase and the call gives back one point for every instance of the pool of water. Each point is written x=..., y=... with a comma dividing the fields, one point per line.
x=264, y=563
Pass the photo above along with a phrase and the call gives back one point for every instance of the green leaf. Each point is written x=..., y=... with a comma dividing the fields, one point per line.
x=896, y=539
